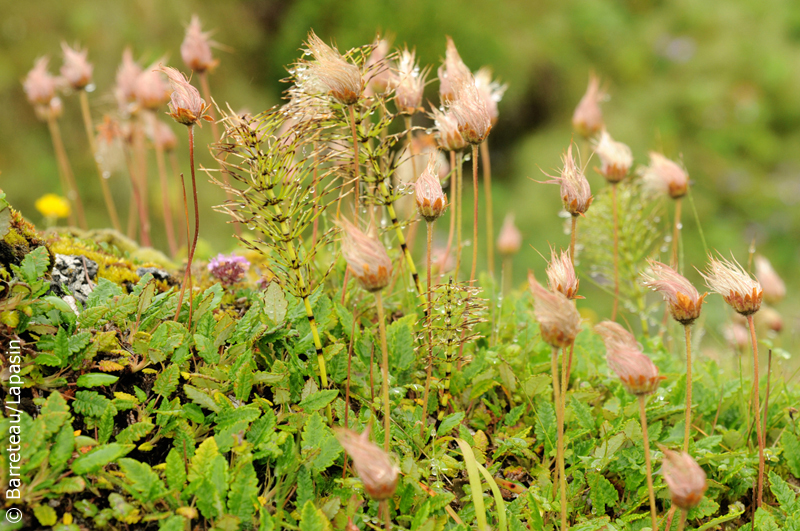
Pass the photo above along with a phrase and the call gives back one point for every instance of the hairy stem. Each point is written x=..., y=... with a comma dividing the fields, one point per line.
x=460, y=207
x=66, y=170
x=384, y=371
x=616, y=252
x=474, y=213
x=487, y=189
x=562, y=480
x=188, y=273
x=647, y=462
x=759, y=431
x=682, y=521
x=107, y=197
x=387, y=517
x=429, y=373
x=688, y=331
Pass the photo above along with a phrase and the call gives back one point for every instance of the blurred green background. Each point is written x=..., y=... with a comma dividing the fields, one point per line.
x=713, y=82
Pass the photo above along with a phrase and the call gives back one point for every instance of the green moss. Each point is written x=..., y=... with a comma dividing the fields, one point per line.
x=20, y=239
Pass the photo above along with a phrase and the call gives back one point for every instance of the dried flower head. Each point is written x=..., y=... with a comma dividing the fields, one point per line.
x=449, y=137
x=559, y=320
x=665, y=176
x=615, y=336
x=575, y=191
x=452, y=73
x=683, y=299
x=127, y=74
x=469, y=110
x=510, y=240
x=77, y=71
x=185, y=105
x=53, y=206
x=636, y=371
x=229, y=269
x=331, y=74
x=588, y=118
x=491, y=91
x=151, y=91
x=615, y=158
x=685, y=479
x=376, y=67
x=196, y=47
x=739, y=289
x=409, y=83
x=561, y=275
x=372, y=464
x=774, y=288
x=366, y=257
x=431, y=200
x=39, y=85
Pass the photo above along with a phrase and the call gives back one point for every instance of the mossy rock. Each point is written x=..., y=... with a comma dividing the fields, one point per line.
x=20, y=239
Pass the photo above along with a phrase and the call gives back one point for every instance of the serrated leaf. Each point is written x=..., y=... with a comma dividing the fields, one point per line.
x=583, y=414
x=173, y=523
x=318, y=400
x=602, y=492
x=143, y=483
x=109, y=366
x=318, y=439
x=90, y=403
x=69, y=485
x=134, y=432
x=96, y=379
x=62, y=447
x=400, y=341
x=791, y=451
x=33, y=266
x=104, y=291
x=100, y=457
x=764, y=521
x=203, y=457
x=54, y=413
x=783, y=493
x=545, y=425
x=175, y=470
x=168, y=336
x=45, y=514
x=105, y=427
x=167, y=381
x=200, y=398
x=243, y=495
x=275, y=304
x=449, y=422
x=312, y=519
x=481, y=387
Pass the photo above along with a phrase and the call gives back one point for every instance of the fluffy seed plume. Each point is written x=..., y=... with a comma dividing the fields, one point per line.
x=685, y=479
x=665, y=176
x=40, y=85
x=561, y=275
x=331, y=74
x=772, y=284
x=469, y=110
x=739, y=289
x=372, y=464
x=683, y=300
x=588, y=117
x=196, y=48
x=409, y=83
x=185, y=105
x=491, y=91
x=509, y=241
x=559, y=320
x=615, y=158
x=150, y=90
x=636, y=371
x=431, y=200
x=448, y=138
x=615, y=336
x=366, y=257
x=452, y=73
x=77, y=71
x=575, y=191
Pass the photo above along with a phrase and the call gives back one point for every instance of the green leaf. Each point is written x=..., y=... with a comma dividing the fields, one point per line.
x=783, y=493
x=764, y=521
x=202, y=460
x=54, y=413
x=168, y=336
x=61, y=346
x=513, y=416
x=318, y=400
x=583, y=414
x=312, y=519
x=90, y=403
x=602, y=492
x=791, y=450
x=400, y=341
x=96, y=379
x=173, y=523
x=100, y=457
x=175, y=470
x=545, y=425
x=144, y=484
x=200, y=398
x=45, y=514
x=206, y=349
x=167, y=381
x=134, y=432
x=481, y=387
x=63, y=446
x=318, y=437
x=275, y=303
x=104, y=291
x=69, y=485
x=33, y=266
x=105, y=427
x=449, y=422
x=243, y=496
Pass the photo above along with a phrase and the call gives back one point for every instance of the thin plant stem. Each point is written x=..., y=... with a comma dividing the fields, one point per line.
x=460, y=209
x=69, y=178
x=474, y=213
x=165, y=199
x=688, y=331
x=62, y=179
x=453, y=206
x=137, y=208
x=185, y=211
x=384, y=371
x=670, y=516
x=387, y=517
x=682, y=521
x=412, y=230
x=487, y=189
x=766, y=395
x=188, y=272
x=572, y=239
x=562, y=480
x=429, y=374
x=140, y=164
x=759, y=431
x=647, y=462
x=506, y=273
x=107, y=197
x=616, y=252
x=569, y=362
x=676, y=230
x=356, y=181
x=173, y=160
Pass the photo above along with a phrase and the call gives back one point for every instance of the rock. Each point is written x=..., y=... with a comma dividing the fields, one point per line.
x=73, y=275
x=158, y=274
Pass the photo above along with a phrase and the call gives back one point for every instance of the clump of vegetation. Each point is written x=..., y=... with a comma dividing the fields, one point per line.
x=254, y=403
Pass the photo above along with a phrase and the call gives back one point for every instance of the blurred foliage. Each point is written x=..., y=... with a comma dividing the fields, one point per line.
x=713, y=83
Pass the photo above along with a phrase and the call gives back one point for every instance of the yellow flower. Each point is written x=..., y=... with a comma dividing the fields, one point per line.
x=53, y=206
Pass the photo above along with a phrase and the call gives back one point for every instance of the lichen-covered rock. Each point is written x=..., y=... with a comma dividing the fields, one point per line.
x=74, y=275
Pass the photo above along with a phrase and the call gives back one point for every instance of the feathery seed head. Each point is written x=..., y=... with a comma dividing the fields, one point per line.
x=739, y=289
x=452, y=73
x=685, y=479
x=77, y=71
x=151, y=91
x=127, y=74
x=491, y=91
x=185, y=105
x=588, y=117
x=559, y=320
x=196, y=47
x=561, y=275
x=377, y=69
x=408, y=82
x=774, y=288
x=665, y=176
x=636, y=371
x=509, y=241
x=615, y=336
x=615, y=158
x=449, y=137
x=331, y=74
x=575, y=191
x=39, y=85
x=683, y=299
x=372, y=464
x=469, y=110
x=366, y=257
x=431, y=200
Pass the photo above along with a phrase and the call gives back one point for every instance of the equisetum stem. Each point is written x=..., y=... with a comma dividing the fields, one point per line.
x=759, y=431
x=616, y=252
x=487, y=189
x=63, y=162
x=384, y=372
x=572, y=239
x=429, y=374
x=562, y=480
x=316, y=196
x=165, y=199
x=474, y=213
x=688, y=330
x=676, y=234
x=356, y=185
x=107, y=197
x=647, y=462
x=460, y=206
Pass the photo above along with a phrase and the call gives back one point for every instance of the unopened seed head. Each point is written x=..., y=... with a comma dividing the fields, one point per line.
x=510, y=240
x=772, y=284
x=683, y=300
x=39, y=85
x=196, y=48
x=186, y=106
x=151, y=91
x=127, y=74
x=742, y=292
x=448, y=136
x=491, y=91
x=615, y=158
x=408, y=82
x=684, y=478
x=331, y=74
x=636, y=371
x=452, y=73
x=559, y=320
x=431, y=200
x=469, y=109
x=615, y=336
x=588, y=117
x=366, y=257
x=377, y=69
x=372, y=464
x=561, y=275
x=576, y=193
x=665, y=176
x=77, y=71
